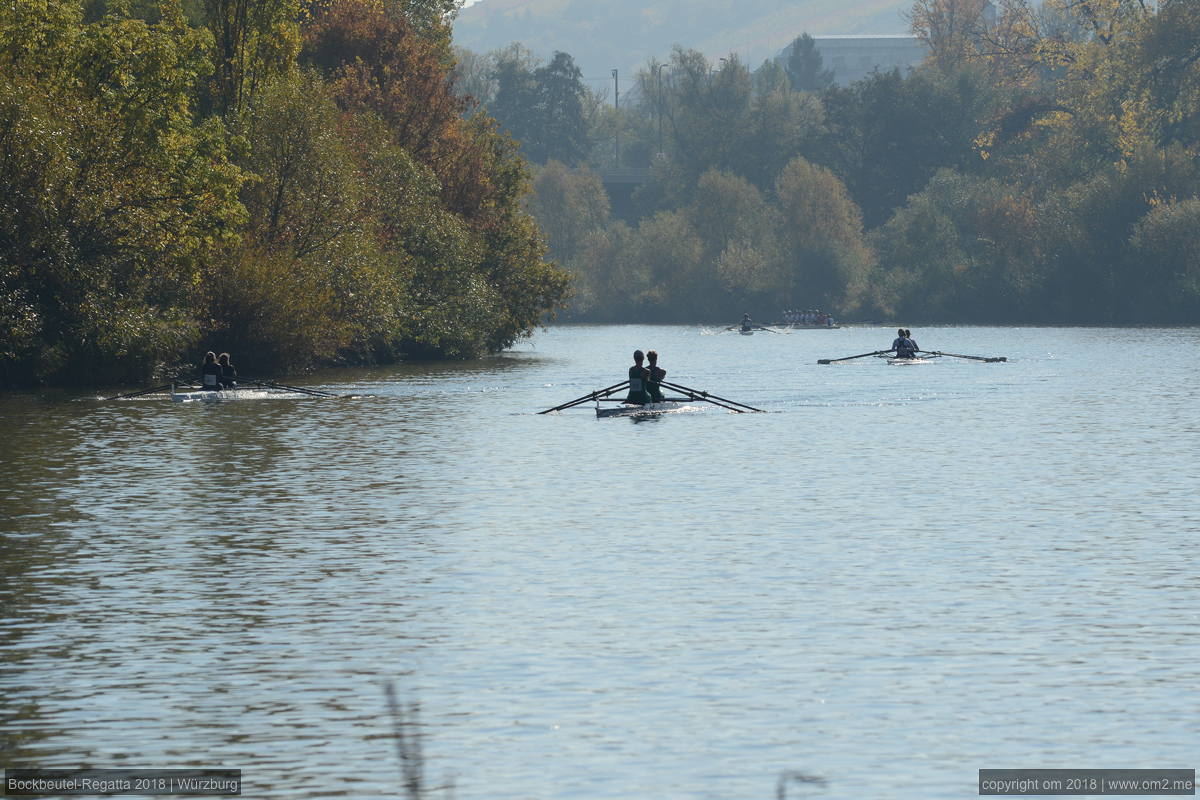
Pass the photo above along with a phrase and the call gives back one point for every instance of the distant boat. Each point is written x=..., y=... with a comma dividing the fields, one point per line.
x=801, y=326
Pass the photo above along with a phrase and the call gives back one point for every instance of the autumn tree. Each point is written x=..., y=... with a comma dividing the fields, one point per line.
x=952, y=30
x=253, y=40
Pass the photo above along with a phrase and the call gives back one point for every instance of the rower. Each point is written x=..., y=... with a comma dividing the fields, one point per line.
x=657, y=373
x=903, y=345
x=746, y=323
x=228, y=379
x=210, y=373
x=911, y=340
x=638, y=378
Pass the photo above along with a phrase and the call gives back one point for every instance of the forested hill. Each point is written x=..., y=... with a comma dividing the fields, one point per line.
x=623, y=34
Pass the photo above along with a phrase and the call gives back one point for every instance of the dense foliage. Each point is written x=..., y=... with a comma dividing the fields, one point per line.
x=1040, y=167
x=293, y=182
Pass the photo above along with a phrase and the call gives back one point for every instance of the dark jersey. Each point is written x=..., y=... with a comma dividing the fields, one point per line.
x=654, y=385
x=210, y=376
x=638, y=378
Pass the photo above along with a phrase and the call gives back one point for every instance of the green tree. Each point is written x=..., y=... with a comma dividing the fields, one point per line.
x=888, y=135
x=1165, y=255
x=543, y=108
x=707, y=114
x=114, y=197
x=1091, y=279
x=254, y=40
x=309, y=283
x=741, y=254
x=568, y=205
x=965, y=249
x=826, y=259
x=805, y=67
x=667, y=277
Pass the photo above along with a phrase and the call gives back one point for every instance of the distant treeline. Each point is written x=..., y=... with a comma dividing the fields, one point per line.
x=291, y=180
x=1041, y=166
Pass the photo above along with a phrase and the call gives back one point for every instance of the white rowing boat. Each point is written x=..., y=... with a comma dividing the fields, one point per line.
x=209, y=396
x=905, y=362
x=648, y=410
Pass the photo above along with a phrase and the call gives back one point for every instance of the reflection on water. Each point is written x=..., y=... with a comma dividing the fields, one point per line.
x=895, y=578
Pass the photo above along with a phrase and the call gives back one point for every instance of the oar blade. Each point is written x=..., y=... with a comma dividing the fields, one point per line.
x=709, y=397
x=130, y=395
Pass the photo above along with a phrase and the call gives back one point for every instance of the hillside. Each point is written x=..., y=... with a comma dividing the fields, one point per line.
x=625, y=34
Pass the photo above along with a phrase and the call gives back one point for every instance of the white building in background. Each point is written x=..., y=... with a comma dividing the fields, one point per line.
x=853, y=57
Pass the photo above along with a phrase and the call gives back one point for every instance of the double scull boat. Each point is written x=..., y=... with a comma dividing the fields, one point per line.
x=221, y=395
x=647, y=410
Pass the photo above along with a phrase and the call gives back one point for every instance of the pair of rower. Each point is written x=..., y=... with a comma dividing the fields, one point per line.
x=645, y=382
x=216, y=373
x=904, y=345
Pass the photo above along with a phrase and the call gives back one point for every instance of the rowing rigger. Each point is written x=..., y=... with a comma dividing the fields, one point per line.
x=689, y=395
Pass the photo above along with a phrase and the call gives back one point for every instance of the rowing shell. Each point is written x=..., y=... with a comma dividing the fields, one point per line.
x=799, y=326
x=203, y=396
x=648, y=410
x=904, y=362
x=746, y=333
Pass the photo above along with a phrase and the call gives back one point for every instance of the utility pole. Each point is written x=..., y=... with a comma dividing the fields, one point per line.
x=617, y=118
x=659, y=102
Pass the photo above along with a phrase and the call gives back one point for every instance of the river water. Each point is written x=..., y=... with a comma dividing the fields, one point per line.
x=896, y=577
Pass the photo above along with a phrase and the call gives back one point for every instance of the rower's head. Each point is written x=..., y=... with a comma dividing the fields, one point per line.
x=223, y=359
x=900, y=332
x=907, y=333
x=652, y=356
x=210, y=357
x=637, y=356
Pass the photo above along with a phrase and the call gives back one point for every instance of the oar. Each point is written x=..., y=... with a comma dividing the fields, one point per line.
x=956, y=355
x=300, y=389
x=139, y=394
x=664, y=400
x=695, y=395
x=588, y=396
x=703, y=395
x=847, y=358
x=768, y=330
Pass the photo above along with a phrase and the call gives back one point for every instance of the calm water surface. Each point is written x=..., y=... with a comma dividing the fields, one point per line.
x=898, y=576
